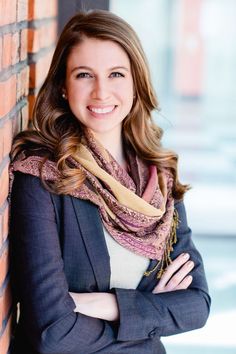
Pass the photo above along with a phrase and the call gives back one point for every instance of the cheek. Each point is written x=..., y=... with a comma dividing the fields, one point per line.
x=125, y=91
x=129, y=96
x=77, y=94
x=129, y=88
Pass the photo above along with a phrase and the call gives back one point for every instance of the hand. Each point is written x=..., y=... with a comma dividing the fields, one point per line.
x=98, y=305
x=176, y=275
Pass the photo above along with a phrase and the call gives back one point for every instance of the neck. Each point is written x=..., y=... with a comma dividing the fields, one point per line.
x=114, y=144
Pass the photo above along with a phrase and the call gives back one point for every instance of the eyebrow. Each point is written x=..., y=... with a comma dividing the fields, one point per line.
x=83, y=67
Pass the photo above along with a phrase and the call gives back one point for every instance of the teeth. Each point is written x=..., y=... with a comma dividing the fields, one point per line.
x=102, y=110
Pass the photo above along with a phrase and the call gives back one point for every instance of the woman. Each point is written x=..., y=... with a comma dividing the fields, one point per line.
x=102, y=256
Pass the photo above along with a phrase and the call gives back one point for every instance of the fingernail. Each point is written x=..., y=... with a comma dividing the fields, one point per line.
x=185, y=255
x=189, y=277
x=190, y=264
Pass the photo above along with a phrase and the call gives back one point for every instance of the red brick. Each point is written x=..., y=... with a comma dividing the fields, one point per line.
x=31, y=99
x=1, y=12
x=8, y=95
x=8, y=8
x=15, y=48
x=1, y=143
x=54, y=8
x=5, y=304
x=39, y=70
x=4, y=185
x=5, y=222
x=22, y=10
x=42, y=37
x=1, y=43
x=7, y=138
x=25, y=78
x=31, y=10
x=25, y=117
x=48, y=34
x=4, y=263
x=1, y=228
x=33, y=40
x=22, y=83
x=11, y=11
x=23, y=44
x=5, y=338
x=1, y=224
x=16, y=124
x=42, y=8
x=6, y=50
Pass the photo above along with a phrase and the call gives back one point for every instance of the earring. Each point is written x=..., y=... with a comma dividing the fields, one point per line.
x=64, y=96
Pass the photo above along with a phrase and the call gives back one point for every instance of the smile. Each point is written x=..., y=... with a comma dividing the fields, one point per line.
x=101, y=110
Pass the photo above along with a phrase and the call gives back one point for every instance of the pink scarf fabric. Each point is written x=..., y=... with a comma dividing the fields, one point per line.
x=136, y=207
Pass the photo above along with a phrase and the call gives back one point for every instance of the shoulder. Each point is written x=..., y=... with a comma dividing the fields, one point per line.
x=179, y=205
x=24, y=182
x=182, y=216
x=29, y=196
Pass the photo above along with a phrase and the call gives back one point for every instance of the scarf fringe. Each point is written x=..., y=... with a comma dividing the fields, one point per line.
x=166, y=260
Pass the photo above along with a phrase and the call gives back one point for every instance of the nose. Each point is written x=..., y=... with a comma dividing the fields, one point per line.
x=100, y=90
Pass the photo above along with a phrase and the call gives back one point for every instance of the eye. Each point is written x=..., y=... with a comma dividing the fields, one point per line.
x=116, y=74
x=83, y=75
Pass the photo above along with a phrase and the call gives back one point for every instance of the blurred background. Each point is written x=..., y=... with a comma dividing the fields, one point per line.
x=191, y=49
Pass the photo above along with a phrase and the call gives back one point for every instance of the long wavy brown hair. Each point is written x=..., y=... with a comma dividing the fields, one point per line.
x=56, y=132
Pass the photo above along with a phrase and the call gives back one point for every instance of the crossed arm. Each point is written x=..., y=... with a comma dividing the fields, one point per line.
x=104, y=305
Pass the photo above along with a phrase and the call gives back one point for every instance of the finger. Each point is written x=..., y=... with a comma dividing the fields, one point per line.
x=172, y=268
x=182, y=286
x=179, y=276
x=185, y=283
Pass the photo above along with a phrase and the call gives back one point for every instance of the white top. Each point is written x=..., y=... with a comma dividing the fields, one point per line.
x=127, y=267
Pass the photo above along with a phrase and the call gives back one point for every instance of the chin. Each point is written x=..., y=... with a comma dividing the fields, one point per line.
x=105, y=130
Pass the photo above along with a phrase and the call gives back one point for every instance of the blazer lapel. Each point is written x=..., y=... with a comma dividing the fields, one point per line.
x=90, y=224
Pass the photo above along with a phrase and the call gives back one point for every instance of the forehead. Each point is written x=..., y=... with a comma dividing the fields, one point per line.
x=96, y=52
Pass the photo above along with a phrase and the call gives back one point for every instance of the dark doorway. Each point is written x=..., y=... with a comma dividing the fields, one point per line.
x=67, y=9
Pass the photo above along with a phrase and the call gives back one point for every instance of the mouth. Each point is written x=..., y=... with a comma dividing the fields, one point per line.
x=101, y=110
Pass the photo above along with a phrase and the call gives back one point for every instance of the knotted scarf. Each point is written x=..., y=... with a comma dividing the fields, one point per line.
x=136, y=206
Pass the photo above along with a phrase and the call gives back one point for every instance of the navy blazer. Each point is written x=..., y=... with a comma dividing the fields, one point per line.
x=58, y=245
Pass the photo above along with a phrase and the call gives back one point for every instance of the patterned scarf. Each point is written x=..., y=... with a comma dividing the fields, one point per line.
x=136, y=207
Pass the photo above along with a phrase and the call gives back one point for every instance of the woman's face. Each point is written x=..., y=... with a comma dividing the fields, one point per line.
x=99, y=85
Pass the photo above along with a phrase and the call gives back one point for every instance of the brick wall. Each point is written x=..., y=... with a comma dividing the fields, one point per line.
x=28, y=30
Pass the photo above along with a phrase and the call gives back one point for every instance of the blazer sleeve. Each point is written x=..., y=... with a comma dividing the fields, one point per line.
x=47, y=310
x=170, y=312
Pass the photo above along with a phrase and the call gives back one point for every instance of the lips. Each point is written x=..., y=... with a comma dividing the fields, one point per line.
x=101, y=109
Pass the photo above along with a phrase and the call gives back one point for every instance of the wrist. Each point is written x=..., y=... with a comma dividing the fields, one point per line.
x=98, y=305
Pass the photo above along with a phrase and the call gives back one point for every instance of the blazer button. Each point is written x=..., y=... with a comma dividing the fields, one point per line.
x=152, y=333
